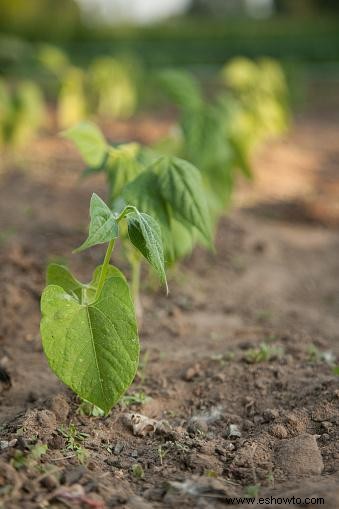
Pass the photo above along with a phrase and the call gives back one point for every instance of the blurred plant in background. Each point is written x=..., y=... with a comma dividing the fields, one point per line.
x=261, y=90
x=220, y=134
x=106, y=89
x=22, y=113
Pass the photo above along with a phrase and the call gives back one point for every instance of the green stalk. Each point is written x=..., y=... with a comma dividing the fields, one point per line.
x=104, y=269
x=135, y=282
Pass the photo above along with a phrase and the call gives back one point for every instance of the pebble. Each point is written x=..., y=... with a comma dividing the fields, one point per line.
x=233, y=431
x=299, y=456
x=4, y=444
x=118, y=447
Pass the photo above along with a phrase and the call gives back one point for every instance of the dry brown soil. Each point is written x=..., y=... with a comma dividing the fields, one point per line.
x=237, y=363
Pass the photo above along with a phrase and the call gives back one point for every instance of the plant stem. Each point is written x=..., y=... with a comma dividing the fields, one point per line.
x=135, y=285
x=104, y=269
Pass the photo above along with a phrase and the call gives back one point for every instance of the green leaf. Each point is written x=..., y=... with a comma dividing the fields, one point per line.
x=181, y=185
x=61, y=276
x=144, y=193
x=103, y=226
x=181, y=87
x=90, y=142
x=145, y=234
x=122, y=166
x=93, y=348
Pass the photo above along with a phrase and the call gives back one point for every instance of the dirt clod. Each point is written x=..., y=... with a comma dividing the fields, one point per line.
x=299, y=456
x=279, y=431
x=60, y=407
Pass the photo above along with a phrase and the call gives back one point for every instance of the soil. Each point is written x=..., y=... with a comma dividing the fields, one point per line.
x=236, y=390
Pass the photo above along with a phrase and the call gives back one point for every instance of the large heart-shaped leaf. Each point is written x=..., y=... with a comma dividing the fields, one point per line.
x=85, y=292
x=181, y=185
x=90, y=142
x=61, y=276
x=103, y=226
x=145, y=234
x=93, y=348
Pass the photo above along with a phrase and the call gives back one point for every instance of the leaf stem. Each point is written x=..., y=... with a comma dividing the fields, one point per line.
x=135, y=285
x=104, y=268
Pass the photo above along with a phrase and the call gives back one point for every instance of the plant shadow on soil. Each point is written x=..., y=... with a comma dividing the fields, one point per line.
x=236, y=364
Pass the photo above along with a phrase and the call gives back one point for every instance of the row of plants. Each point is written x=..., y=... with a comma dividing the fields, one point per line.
x=162, y=202
x=108, y=87
x=116, y=87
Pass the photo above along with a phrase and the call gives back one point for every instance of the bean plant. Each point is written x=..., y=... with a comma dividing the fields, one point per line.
x=21, y=113
x=219, y=134
x=89, y=330
x=106, y=88
x=167, y=188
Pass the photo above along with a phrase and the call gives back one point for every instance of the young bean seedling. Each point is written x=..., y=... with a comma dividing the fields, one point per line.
x=89, y=331
x=167, y=188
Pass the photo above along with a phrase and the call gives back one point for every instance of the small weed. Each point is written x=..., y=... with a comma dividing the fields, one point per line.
x=136, y=398
x=29, y=459
x=315, y=355
x=264, y=315
x=211, y=473
x=73, y=437
x=270, y=479
x=252, y=491
x=138, y=471
x=263, y=353
x=90, y=410
x=142, y=367
x=162, y=451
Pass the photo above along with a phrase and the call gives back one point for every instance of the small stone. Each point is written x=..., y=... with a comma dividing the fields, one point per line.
x=300, y=456
x=5, y=444
x=278, y=431
x=233, y=431
x=140, y=424
x=118, y=447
